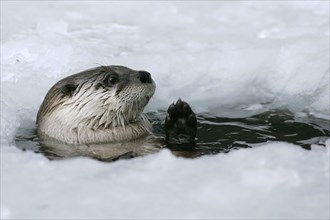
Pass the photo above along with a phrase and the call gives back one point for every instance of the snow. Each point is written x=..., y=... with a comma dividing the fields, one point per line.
x=224, y=58
x=275, y=181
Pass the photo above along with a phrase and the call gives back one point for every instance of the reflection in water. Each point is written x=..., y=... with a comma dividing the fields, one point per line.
x=215, y=135
x=53, y=149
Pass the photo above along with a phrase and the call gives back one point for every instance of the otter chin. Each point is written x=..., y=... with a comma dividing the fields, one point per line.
x=99, y=105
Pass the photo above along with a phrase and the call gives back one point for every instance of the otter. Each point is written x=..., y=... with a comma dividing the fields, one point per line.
x=101, y=109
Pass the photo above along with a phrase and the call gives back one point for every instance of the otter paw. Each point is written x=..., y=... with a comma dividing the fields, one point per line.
x=180, y=125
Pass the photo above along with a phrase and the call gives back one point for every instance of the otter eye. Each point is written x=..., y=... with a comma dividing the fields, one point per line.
x=112, y=80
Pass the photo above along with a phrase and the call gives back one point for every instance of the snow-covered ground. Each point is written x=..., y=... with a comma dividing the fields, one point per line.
x=224, y=58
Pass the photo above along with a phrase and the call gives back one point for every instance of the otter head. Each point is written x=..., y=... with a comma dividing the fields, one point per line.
x=103, y=104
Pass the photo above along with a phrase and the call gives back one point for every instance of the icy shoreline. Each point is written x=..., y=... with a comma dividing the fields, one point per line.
x=277, y=180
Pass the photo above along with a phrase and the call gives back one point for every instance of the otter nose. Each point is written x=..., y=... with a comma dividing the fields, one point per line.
x=144, y=77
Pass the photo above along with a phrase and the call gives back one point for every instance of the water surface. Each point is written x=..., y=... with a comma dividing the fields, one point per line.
x=220, y=134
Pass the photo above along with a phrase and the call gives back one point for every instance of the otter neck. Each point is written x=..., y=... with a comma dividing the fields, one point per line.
x=111, y=119
x=127, y=132
x=85, y=135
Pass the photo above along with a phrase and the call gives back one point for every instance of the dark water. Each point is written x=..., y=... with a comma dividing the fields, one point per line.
x=216, y=134
x=221, y=135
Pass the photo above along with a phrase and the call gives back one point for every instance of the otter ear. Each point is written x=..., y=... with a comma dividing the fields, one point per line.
x=68, y=89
